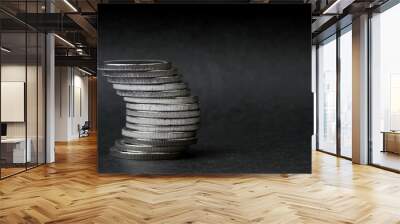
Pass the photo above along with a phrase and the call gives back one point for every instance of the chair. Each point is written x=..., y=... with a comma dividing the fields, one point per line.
x=84, y=130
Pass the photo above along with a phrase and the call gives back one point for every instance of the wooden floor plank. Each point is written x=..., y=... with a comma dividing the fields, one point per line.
x=71, y=191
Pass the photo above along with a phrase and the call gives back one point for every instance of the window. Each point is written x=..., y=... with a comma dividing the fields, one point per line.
x=346, y=93
x=22, y=77
x=385, y=88
x=327, y=96
x=334, y=106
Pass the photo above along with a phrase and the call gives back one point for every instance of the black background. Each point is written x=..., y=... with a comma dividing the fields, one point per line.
x=250, y=65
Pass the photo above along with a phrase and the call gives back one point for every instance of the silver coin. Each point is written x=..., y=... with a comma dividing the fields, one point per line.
x=164, y=114
x=158, y=87
x=172, y=100
x=163, y=121
x=125, y=146
x=156, y=135
x=136, y=65
x=144, y=81
x=162, y=142
x=162, y=107
x=155, y=94
x=154, y=128
x=143, y=156
x=140, y=74
x=161, y=117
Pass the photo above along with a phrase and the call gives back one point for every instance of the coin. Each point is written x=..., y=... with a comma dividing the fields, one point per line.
x=161, y=142
x=157, y=87
x=170, y=100
x=163, y=121
x=143, y=155
x=136, y=65
x=162, y=117
x=144, y=81
x=154, y=94
x=162, y=107
x=163, y=114
x=144, y=127
x=139, y=74
x=156, y=135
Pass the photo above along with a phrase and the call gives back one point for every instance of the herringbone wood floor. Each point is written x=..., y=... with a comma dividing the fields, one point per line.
x=71, y=191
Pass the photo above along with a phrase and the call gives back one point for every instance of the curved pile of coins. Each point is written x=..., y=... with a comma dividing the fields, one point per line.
x=161, y=116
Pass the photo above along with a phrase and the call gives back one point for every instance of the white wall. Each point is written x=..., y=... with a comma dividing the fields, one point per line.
x=34, y=125
x=80, y=105
x=61, y=103
x=12, y=101
x=17, y=73
x=71, y=102
x=12, y=73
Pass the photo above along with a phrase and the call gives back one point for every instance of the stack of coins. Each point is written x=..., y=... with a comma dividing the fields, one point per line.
x=161, y=116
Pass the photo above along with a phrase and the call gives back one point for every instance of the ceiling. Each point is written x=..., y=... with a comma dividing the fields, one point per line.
x=75, y=21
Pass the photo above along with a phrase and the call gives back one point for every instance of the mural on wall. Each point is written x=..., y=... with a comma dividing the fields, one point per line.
x=161, y=116
x=249, y=65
